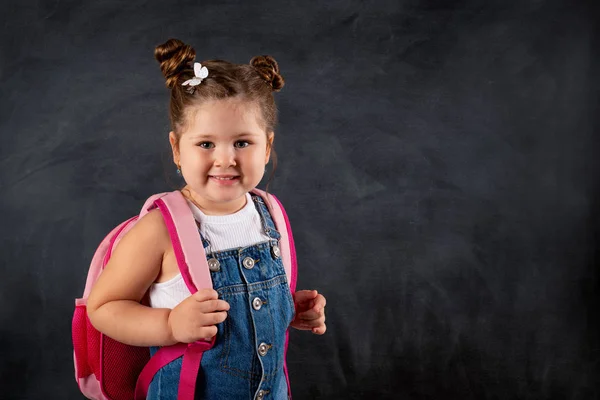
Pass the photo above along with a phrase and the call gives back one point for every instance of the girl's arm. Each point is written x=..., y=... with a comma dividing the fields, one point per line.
x=114, y=303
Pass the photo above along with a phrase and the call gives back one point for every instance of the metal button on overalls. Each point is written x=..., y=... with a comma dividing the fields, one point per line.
x=260, y=395
x=263, y=349
x=257, y=303
x=214, y=265
x=276, y=251
x=248, y=263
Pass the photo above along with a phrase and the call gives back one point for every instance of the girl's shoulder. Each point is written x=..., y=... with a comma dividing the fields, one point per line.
x=148, y=239
x=150, y=230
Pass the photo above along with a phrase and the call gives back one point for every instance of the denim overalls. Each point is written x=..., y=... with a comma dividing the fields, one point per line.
x=247, y=359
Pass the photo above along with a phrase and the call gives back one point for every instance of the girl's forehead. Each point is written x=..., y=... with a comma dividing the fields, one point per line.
x=232, y=107
x=218, y=117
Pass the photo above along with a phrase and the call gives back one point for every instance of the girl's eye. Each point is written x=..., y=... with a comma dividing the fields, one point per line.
x=205, y=147
x=242, y=141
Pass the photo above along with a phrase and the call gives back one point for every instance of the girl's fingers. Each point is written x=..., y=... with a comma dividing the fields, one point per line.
x=302, y=296
x=205, y=294
x=213, y=305
x=304, y=326
x=207, y=332
x=310, y=311
x=215, y=318
x=304, y=307
x=310, y=323
x=316, y=311
x=316, y=304
x=309, y=315
x=315, y=327
x=320, y=301
x=319, y=330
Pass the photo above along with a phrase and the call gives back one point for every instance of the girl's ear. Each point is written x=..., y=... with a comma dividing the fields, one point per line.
x=174, y=147
x=270, y=139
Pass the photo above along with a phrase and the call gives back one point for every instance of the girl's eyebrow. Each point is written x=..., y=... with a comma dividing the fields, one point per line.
x=209, y=136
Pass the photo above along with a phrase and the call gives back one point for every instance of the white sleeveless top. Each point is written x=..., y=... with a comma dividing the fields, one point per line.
x=240, y=229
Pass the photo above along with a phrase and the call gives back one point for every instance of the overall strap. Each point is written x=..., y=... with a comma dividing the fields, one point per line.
x=191, y=260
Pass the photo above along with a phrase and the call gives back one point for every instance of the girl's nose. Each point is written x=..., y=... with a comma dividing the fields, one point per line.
x=225, y=157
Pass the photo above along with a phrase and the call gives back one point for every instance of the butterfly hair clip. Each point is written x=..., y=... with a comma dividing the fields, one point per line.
x=200, y=73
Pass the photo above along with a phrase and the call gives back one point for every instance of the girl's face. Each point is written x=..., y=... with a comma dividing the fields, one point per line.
x=222, y=154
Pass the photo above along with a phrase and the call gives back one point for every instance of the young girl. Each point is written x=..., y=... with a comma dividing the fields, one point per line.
x=223, y=118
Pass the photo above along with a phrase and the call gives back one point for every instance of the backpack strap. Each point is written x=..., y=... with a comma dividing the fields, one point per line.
x=183, y=231
x=288, y=249
x=191, y=260
x=185, y=237
x=192, y=358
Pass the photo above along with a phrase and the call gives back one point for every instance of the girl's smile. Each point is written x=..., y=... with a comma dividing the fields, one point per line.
x=225, y=180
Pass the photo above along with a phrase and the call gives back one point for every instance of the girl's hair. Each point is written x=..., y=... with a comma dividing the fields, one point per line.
x=254, y=82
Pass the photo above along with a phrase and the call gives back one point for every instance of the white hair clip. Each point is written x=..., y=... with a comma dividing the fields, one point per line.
x=200, y=72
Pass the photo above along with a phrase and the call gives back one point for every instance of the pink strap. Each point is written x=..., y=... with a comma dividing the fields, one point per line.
x=188, y=248
x=162, y=357
x=292, y=247
x=190, y=369
x=192, y=264
x=192, y=358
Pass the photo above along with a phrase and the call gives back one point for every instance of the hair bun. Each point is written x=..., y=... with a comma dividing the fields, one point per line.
x=174, y=56
x=268, y=68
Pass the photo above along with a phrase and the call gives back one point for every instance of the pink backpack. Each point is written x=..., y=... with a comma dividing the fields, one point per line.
x=109, y=370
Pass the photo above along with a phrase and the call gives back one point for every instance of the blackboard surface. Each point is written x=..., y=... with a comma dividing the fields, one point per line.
x=438, y=161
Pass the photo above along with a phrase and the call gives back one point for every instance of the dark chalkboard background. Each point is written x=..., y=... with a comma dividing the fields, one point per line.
x=438, y=161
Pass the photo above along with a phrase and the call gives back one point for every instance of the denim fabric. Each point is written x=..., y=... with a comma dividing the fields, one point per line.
x=234, y=367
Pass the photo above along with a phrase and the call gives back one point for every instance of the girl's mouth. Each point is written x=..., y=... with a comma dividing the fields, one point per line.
x=230, y=180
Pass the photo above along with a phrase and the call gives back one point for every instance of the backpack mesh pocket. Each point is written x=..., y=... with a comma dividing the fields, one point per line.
x=86, y=344
x=122, y=364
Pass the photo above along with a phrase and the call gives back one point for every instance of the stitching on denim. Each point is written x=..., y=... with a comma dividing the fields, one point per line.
x=160, y=384
x=249, y=375
x=258, y=199
x=251, y=287
x=267, y=220
x=273, y=347
x=245, y=374
x=290, y=300
x=224, y=355
x=284, y=306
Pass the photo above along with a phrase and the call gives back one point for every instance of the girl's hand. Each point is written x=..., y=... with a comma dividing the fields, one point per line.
x=310, y=311
x=196, y=317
